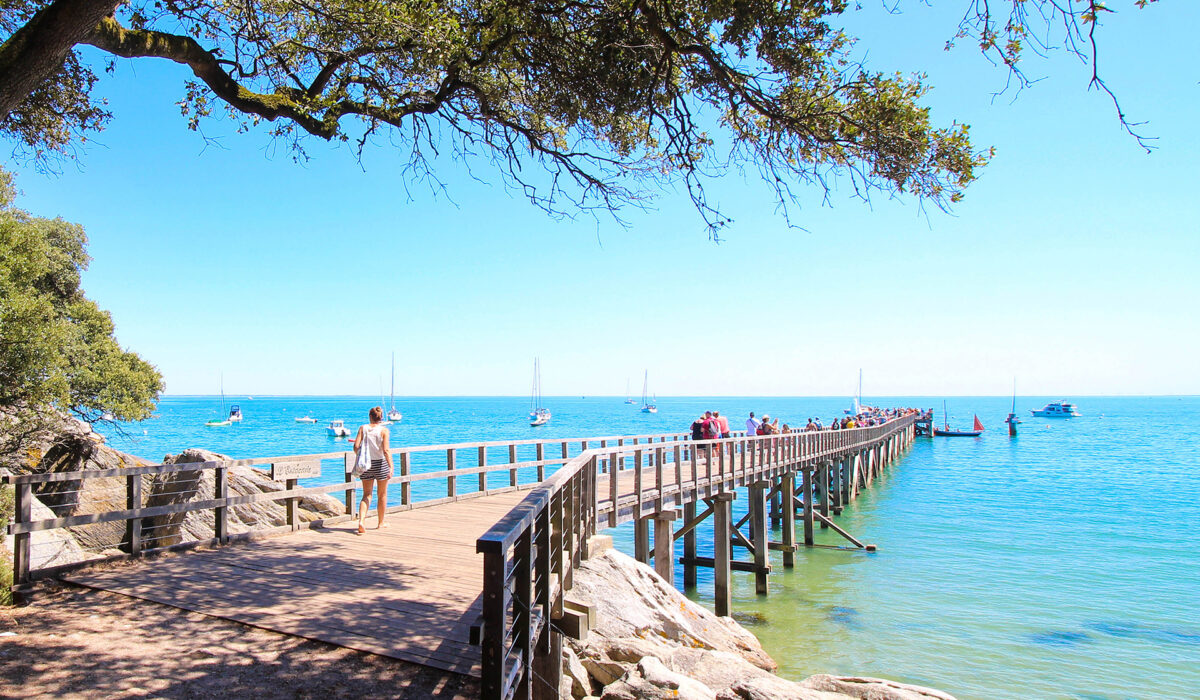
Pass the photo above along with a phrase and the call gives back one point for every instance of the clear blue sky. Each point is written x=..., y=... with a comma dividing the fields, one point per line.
x=1071, y=265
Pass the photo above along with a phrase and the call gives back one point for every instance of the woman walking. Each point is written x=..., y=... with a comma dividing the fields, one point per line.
x=376, y=440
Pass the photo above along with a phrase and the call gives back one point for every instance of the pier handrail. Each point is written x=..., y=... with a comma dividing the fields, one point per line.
x=134, y=543
x=531, y=553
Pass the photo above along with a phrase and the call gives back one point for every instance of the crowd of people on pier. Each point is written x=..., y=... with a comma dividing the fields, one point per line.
x=713, y=426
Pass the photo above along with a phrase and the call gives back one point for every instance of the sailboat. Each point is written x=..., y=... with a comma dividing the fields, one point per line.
x=947, y=432
x=857, y=407
x=647, y=406
x=628, y=398
x=393, y=415
x=537, y=414
x=217, y=422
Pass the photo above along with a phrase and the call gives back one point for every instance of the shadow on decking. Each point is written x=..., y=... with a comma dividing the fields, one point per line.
x=372, y=594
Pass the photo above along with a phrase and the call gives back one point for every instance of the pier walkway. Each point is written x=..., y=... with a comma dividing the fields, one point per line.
x=419, y=590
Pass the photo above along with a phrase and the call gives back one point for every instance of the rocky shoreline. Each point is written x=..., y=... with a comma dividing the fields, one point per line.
x=650, y=641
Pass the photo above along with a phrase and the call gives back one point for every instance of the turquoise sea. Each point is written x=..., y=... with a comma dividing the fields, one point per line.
x=1058, y=564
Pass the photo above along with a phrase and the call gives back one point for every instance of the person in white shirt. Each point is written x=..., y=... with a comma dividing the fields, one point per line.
x=751, y=426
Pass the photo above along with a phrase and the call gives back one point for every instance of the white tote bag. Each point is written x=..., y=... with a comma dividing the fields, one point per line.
x=362, y=458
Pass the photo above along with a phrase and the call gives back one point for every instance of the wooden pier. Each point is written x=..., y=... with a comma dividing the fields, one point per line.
x=420, y=591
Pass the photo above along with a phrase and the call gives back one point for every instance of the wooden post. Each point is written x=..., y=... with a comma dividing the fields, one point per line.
x=722, y=514
x=787, y=490
x=523, y=620
x=451, y=485
x=658, y=479
x=483, y=475
x=347, y=464
x=641, y=539
x=847, y=480
x=758, y=523
x=221, y=513
x=689, y=546
x=776, y=504
x=133, y=500
x=541, y=457
x=824, y=468
x=292, y=521
x=547, y=665
x=23, y=512
x=612, y=489
x=664, y=546
x=405, y=487
x=496, y=603
x=807, y=478
x=512, y=459
x=637, y=483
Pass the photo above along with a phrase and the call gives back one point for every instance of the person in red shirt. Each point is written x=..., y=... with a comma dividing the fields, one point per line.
x=723, y=424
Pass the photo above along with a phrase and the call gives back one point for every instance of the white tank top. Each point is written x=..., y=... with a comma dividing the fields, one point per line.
x=373, y=441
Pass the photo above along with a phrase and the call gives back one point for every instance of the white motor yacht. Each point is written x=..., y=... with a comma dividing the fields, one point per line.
x=337, y=428
x=1057, y=409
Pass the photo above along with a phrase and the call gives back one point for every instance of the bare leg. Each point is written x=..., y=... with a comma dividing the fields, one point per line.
x=381, y=502
x=365, y=504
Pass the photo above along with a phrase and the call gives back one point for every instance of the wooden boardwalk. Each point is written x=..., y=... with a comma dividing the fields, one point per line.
x=410, y=591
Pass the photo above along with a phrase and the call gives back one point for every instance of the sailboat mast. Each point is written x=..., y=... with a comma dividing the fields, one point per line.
x=945, y=415
x=1014, y=406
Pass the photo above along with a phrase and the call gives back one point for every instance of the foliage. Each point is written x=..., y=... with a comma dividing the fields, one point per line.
x=57, y=350
x=613, y=99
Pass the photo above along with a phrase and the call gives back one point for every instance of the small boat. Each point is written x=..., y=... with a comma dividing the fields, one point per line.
x=337, y=428
x=945, y=431
x=306, y=419
x=648, y=406
x=393, y=415
x=628, y=398
x=856, y=407
x=1057, y=409
x=217, y=422
x=538, y=415
x=235, y=413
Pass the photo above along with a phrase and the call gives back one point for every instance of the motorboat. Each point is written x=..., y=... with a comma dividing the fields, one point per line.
x=217, y=423
x=235, y=414
x=1057, y=409
x=337, y=428
x=306, y=419
x=538, y=415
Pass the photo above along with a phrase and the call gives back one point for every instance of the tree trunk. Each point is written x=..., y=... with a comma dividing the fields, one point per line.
x=36, y=51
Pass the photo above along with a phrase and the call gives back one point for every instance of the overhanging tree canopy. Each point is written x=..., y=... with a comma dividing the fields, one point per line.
x=610, y=97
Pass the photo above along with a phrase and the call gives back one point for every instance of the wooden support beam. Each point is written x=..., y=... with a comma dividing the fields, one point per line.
x=221, y=513
x=348, y=462
x=722, y=507
x=290, y=504
x=824, y=468
x=23, y=513
x=451, y=484
x=807, y=487
x=641, y=539
x=133, y=501
x=482, y=463
x=689, y=542
x=758, y=524
x=664, y=546
x=847, y=535
x=787, y=489
x=710, y=563
x=541, y=458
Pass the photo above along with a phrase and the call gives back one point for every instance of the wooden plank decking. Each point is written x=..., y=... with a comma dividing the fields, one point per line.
x=410, y=591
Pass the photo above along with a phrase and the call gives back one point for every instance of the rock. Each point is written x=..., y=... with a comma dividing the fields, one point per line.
x=70, y=445
x=631, y=601
x=602, y=669
x=773, y=688
x=574, y=673
x=872, y=688
x=652, y=680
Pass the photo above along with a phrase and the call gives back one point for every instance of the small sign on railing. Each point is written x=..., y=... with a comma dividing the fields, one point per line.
x=282, y=471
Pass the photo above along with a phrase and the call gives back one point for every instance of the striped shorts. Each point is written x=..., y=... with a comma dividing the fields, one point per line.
x=380, y=469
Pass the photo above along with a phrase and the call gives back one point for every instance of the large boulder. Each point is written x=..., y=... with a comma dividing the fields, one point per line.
x=70, y=445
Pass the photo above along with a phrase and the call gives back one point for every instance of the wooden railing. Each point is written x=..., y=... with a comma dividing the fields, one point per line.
x=416, y=475
x=530, y=555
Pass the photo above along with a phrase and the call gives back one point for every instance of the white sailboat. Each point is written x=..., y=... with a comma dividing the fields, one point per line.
x=217, y=422
x=628, y=398
x=393, y=415
x=857, y=407
x=647, y=405
x=538, y=415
